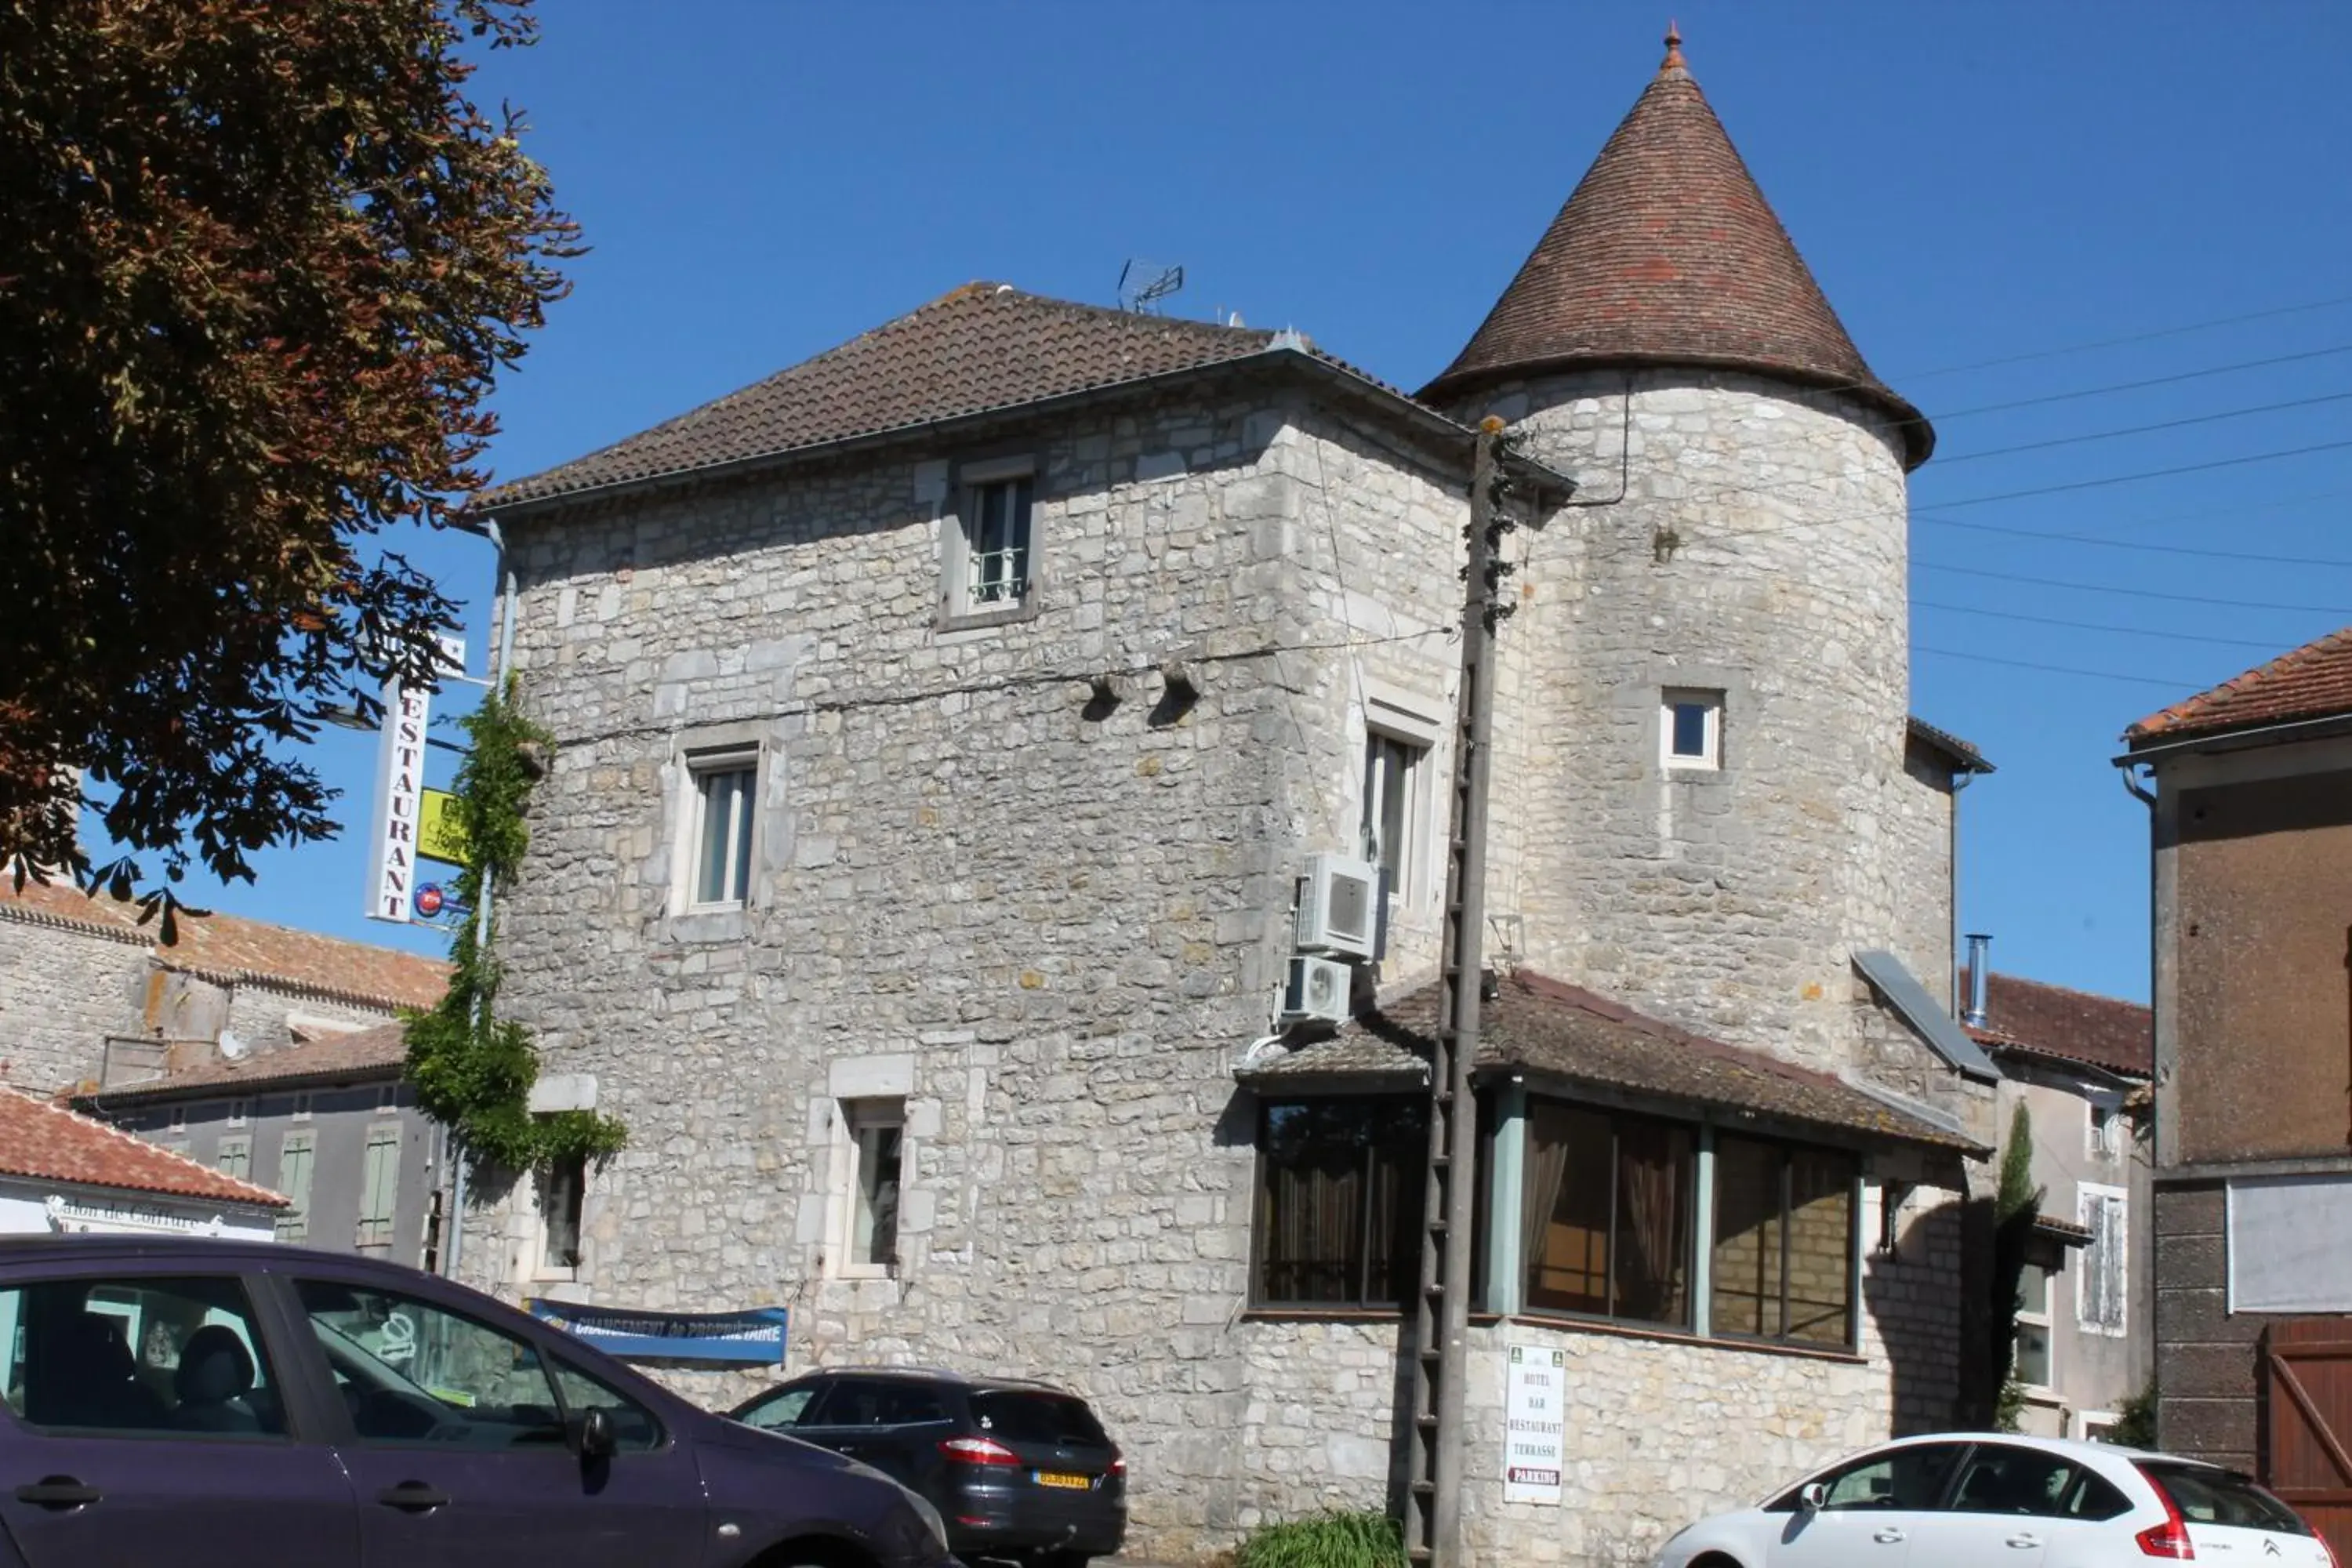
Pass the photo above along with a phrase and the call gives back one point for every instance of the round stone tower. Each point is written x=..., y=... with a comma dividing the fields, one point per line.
x=1701, y=768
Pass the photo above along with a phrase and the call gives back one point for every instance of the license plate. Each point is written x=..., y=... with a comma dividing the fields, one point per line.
x=1066, y=1482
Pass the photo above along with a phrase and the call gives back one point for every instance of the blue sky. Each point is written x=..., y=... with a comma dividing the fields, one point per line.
x=1982, y=189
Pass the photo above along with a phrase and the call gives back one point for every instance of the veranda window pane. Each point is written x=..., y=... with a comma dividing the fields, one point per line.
x=1744, y=1272
x=1820, y=1248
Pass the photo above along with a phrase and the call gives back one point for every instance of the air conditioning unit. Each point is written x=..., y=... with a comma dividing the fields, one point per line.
x=1317, y=988
x=1339, y=906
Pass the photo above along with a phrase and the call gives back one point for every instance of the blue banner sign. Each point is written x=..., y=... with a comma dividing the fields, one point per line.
x=756, y=1335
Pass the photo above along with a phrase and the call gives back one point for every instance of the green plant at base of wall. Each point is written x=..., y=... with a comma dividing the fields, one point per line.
x=2134, y=1424
x=472, y=1069
x=1358, y=1540
x=2017, y=1204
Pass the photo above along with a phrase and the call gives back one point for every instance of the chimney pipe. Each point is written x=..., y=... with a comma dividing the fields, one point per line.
x=1973, y=1014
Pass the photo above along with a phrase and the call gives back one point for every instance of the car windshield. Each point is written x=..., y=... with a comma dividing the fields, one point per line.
x=2205, y=1495
x=1023, y=1417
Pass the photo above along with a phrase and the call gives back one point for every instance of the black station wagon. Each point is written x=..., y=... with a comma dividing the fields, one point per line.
x=1017, y=1470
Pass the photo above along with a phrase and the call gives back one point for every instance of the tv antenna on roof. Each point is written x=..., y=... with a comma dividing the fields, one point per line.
x=1142, y=285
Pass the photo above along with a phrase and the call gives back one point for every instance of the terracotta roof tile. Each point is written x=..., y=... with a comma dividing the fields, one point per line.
x=1962, y=754
x=1667, y=253
x=1569, y=1033
x=983, y=346
x=2073, y=1025
x=50, y=1143
x=230, y=948
x=380, y=1052
x=2314, y=681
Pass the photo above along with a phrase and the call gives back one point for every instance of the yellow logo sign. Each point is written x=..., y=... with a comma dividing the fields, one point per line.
x=437, y=835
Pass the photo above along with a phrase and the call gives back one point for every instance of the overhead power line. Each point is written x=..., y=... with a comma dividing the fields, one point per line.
x=2104, y=480
x=2146, y=429
x=2097, y=343
x=2250, y=557
x=1948, y=416
x=2133, y=593
x=2092, y=626
x=2060, y=668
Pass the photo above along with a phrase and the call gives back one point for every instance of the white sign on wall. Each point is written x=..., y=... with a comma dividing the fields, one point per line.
x=1535, y=1435
x=400, y=793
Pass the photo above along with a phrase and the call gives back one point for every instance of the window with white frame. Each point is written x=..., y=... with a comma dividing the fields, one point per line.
x=301, y=1112
x=2103, y=1285
x=726, y=787
x=1395, y=777
x=237, y=1113
x=2032, y=1366
x=992, y=554
x=875, y=1151
x=562, y=1197
x=1690, y=728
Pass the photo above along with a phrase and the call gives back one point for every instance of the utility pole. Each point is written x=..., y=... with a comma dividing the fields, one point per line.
x=1441, y=1321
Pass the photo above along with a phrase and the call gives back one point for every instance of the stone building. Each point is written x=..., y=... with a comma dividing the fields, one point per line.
x=88, y=993
x=2249, y=790
x=946, y=732
x=2082, y=1065
x=331, y=1124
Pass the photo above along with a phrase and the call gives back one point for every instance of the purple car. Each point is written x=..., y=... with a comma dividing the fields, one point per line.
x=208, y=1404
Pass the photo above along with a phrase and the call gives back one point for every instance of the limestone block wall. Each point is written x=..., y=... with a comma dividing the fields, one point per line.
x=63, y=990
x=261, y=1014
x=1760, y=552
x=1047, y=929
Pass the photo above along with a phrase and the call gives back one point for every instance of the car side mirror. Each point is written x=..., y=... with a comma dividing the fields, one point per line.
x=592, y=1433
x=1813, y=1498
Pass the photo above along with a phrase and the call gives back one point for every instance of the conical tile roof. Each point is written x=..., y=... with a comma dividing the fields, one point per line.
x=1668, y=254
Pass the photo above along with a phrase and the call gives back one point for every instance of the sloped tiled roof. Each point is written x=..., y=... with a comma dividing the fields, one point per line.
x=230, y=949
x=50, y=1143
x=1962, y=754
x=983, y=346
x=2071, y=1025
x=1571, y=1034
x=377, y=1053
x=2314, y=681
x=1667, y=253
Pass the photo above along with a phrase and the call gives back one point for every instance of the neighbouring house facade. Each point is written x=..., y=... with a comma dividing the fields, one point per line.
x=329, y=1124
x=65, y=1175
x=2082, y=1066
x=994, y=852
x=88, y=993
x=2250, y=787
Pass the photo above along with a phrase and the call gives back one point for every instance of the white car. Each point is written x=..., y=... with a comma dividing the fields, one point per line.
x=1982, y=1499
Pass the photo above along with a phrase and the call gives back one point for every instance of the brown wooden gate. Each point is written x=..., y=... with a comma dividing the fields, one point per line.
x=2306, y=1451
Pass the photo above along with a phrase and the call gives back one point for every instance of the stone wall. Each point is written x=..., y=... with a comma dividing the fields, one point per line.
x=1048, y=932
x=1044, y=923
x=262, y=1014
x=2206, y=1356
x=1758, y=551
x=63, y=990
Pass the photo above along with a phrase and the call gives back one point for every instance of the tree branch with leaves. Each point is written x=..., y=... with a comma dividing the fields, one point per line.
x=259, y=264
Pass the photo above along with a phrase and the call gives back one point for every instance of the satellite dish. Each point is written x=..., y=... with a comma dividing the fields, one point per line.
x=230, y=1045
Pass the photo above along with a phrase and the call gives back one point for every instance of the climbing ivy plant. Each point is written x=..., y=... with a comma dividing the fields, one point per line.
x=473, y=1070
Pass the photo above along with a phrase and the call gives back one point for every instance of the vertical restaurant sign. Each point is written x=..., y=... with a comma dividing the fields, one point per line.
x=1535, y=1435
x=399, y=790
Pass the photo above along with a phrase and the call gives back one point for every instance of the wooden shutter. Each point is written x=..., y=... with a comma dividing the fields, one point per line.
x=381, y=1186
x=2307, y=1452
x=294, y=1182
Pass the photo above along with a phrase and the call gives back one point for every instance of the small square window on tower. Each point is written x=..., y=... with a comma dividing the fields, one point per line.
x=1690, y=726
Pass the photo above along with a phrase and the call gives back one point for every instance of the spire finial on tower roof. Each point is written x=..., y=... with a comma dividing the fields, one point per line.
x=1673, y=60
